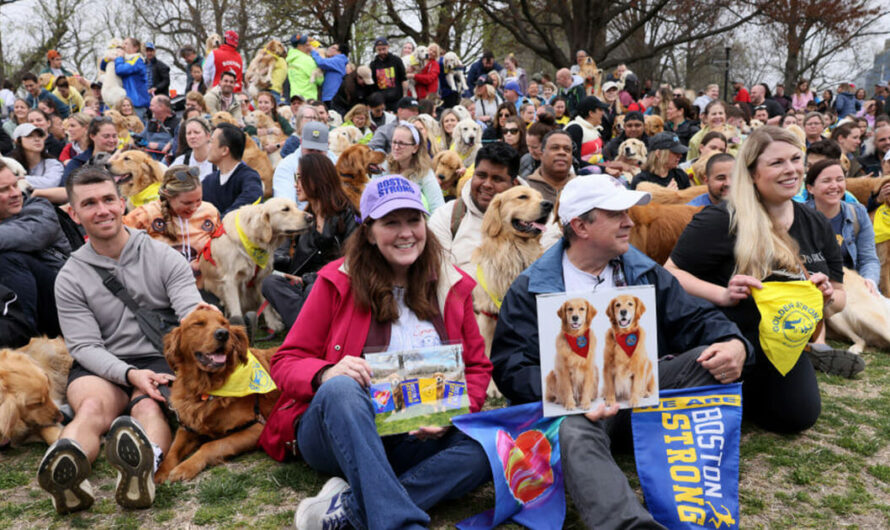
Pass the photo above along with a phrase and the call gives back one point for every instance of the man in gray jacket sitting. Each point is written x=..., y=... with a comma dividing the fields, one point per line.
x=32, y=250
x=116, y=368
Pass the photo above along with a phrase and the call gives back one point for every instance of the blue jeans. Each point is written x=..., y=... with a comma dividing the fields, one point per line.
x=392, y=481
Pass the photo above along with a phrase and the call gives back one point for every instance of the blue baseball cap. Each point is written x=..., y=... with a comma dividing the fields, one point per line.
x=514, y=86
x=149, y=45
x=389, y=193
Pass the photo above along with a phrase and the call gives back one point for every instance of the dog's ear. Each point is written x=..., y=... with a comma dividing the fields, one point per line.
x=239, y=338
x=171, y=348
x=266, y=231
x=491, y=221
x=561, y=312
x=591, y=312
x=641, y=308
x=610, y=310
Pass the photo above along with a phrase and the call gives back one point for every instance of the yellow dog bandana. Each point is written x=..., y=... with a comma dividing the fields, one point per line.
x=151, y=193
x=249, y=378
x=789, y=312
x=258, y=255
x=882, y=224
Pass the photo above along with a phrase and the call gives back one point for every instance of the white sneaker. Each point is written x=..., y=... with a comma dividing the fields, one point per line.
x=128, y=449
x=325, y=510
x=63, y=474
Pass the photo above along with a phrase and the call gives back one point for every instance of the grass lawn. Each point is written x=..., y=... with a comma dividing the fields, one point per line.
x=835, y=475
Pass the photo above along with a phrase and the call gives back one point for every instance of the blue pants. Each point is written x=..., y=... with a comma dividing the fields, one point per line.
x=392, y=481
x=33, y=281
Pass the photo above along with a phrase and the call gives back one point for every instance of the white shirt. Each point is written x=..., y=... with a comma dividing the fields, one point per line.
x=577, y=280
x=409, y=332
x=224, y=177
x=206, y=166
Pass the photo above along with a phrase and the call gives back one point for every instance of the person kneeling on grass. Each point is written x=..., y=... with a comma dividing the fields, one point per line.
x=393, y=291
x=116, y=370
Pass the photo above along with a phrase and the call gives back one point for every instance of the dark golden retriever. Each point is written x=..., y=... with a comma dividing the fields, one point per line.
x=627, y=370
x=204, y=351
x=355, y=166
x=657, y=227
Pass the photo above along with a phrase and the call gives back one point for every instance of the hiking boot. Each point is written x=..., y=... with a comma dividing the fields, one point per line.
x=834, y=361
x=63, y=474
x=128, y=449
x=325, y=510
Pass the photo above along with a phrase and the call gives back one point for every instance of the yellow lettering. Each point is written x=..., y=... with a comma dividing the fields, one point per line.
x=691, y=514
x=684, y=494
x=681, y=455
x=685, y=474
x=686, y=438
x=674, y=421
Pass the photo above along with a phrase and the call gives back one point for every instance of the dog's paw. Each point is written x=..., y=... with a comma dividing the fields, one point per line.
x=856, y=348
x=182, y=472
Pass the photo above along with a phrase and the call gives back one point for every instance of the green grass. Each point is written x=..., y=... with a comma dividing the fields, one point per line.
x=835, y=475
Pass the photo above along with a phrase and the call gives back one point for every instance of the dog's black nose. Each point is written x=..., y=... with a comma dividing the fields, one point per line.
x=546, y=206
x=309, y=217
x=221, y=334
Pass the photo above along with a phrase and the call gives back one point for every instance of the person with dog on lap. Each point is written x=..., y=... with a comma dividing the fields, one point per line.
x=761, y=241
x=697, y=345
x=333, y=220
x=665, y=153
x=393, y=289
x=113, y=385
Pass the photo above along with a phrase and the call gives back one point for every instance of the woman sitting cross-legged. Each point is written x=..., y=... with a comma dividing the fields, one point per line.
x=393, y=291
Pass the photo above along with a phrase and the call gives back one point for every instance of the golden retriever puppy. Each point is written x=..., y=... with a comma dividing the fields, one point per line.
x=235, y=272
x=344, y=137
x=448, y=168
x=204, y=351
x=135, y=171
x=467, y=140
x=454, y=72
x=574, y=380
x=662, y=195
x=28, y=387
x=355, y=166
x=272, y=136
x=511, y=241
x=653, y=125
x=657, y=227
x=258, y=75
x=627, y=370
x=254, y=157
x=865, y=320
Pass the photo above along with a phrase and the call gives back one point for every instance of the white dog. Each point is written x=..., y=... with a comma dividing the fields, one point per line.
x=112, y=85
x=454, y=70
x=462, y=113
x=343, y=137
x=469, y=140
x=415, y=63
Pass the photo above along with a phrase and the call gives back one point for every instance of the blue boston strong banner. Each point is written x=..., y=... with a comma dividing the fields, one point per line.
x=687, y=454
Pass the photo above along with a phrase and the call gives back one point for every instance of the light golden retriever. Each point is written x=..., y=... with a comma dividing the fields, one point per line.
x=344, y=137
x=865, y=320
x=33, y=380
x=627, y=370
x=574, y=380
x=662, y=195
x=448, y=169
x=657, y=227
x=632, y=153
x=254, y=157
x=228, y=270
x=272, y=136
x=467, y=140
x=258, y=75
x=511, y=241
x=204, y=351
x=134, y=171
x=355, y=166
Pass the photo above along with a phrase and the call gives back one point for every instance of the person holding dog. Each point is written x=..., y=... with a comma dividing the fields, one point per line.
x=697, y=345
x=392, y=291
x=114, y=383
x=761, y=238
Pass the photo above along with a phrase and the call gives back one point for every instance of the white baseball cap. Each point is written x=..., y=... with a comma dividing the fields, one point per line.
x=583, y=194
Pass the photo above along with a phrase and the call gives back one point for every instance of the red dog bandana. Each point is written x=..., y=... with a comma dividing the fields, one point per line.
x=628, y=342
x=579, y=345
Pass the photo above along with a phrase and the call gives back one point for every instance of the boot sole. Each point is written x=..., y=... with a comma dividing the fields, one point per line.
x=128, y=449
x=63, y=474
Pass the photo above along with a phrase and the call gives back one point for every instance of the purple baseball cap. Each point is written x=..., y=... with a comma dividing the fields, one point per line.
x=389, y=193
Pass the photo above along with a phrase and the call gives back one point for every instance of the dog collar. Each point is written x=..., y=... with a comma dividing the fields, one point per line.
x=628, y=342
x=248, y=378
x=258, y=255
x=151, y=193
x=579, y=345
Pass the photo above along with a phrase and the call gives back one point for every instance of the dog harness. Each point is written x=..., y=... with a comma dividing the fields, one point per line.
x=150, y=193
x=628, y=342
x=579, y=345
x=497, y=301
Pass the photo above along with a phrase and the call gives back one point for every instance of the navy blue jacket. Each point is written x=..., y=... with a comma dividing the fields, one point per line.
x=473, y=74
x=76, y=163
x=684, y=321
x=243, y=187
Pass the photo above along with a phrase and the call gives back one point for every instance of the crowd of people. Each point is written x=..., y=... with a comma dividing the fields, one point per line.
x=397, y=267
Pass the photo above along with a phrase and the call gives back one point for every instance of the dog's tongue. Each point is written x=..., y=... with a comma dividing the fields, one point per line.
x=218, y=358
x=539, y=226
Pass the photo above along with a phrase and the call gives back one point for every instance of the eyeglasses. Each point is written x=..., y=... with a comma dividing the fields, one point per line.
x=396, y=143
x=678, y=94
x=511, y=131
x=183, y=175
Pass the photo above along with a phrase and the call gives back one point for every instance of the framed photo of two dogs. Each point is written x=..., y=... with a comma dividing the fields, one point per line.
x=598, y=347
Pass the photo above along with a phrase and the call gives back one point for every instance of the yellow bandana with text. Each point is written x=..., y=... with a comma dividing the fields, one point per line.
x=882, y=224
x=258, y=255
x=248, y=378
x=789, y=312
x=151, y=193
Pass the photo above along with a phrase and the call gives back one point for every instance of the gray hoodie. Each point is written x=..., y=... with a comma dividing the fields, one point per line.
x=100, y=332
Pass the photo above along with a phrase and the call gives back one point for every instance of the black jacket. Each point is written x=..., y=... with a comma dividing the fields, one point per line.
x=160, y=77
x=313, y=250
x=350, y=94
x=389, y=74
x=685, y=131
x=610, y=150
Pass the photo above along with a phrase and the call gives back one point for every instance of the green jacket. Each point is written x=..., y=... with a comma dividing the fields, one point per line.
x=299, y=73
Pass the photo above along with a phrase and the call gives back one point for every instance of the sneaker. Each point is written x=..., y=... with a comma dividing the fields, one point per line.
x=63, y=473
x=250, y=326
x=128, y=449
x=834, y=361
x=325, y=510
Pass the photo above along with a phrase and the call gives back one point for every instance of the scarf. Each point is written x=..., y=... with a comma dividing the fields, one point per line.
x=579, y=345
x=628, y=342
x=248, y=378
x=259, y=256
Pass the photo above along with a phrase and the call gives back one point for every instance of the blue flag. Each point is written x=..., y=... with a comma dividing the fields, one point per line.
x=687, y=453
x=523, y=449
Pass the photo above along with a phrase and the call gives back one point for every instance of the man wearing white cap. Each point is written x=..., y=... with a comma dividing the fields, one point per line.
x=697, y=345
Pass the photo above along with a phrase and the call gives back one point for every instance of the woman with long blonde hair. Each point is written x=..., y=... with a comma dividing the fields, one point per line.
x=738, y=254
x=410, y=159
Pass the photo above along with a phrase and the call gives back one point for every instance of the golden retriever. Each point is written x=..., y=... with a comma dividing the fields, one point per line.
x=657, y=227
x=632, y=153
x=511, y=241
x=258, y=75
x=134, y=171
x=271, y=137
x=355, y=166
x=204, y=351
x=33, y=380
x=865, y=320
x=125, y=124
x=226, y=266
x=448, y=169
x=627, y=370
x=344, y=137
x=662, y=195
x=453, y=69
x=593, y=77
x=653, y=124
x=254, y=157
x=574, y=380
x=213, y=42
x=467, y=140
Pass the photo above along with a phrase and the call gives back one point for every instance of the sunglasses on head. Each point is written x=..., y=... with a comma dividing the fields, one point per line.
x=184, y=174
